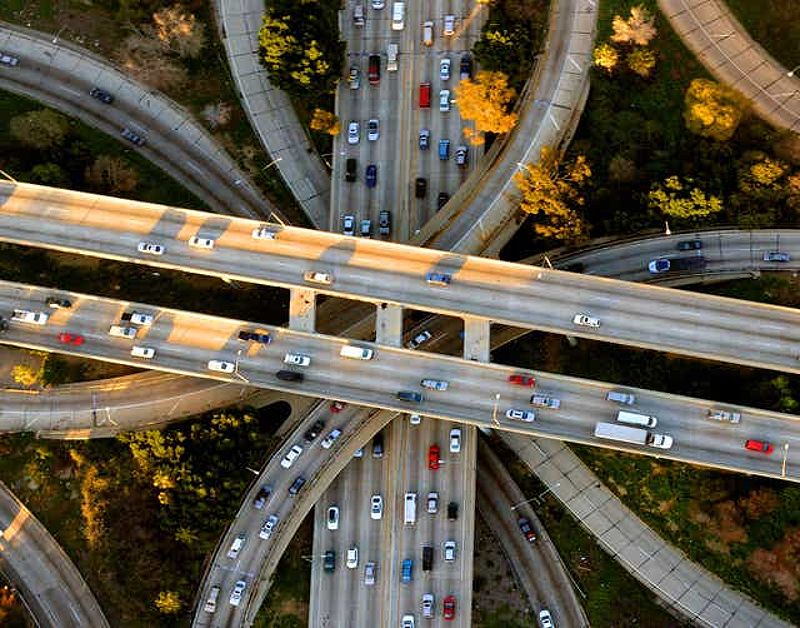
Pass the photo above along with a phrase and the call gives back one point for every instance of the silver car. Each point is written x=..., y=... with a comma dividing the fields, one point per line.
x=353, y=132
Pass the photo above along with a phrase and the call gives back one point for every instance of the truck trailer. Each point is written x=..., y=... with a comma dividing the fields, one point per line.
x=632, y=435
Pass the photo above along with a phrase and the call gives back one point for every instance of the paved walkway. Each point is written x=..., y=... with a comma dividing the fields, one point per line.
x=721, y=44
x=60, y=75
x=52, y=587
x=270, y=111
x=679, y=582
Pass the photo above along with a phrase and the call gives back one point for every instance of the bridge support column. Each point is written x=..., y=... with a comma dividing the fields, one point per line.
x=302, y=309
x=476, y=339
x=389, y=325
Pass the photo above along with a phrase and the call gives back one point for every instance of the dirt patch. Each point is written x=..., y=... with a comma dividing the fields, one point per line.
x=495, y=587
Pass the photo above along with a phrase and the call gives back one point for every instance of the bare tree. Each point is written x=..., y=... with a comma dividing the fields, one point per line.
x=179, y=31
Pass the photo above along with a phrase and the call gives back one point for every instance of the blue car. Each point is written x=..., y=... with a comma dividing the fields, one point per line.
x=439, y=279
x=406, y=573
x=372, y=175
x=661, y=265
x=255, y=336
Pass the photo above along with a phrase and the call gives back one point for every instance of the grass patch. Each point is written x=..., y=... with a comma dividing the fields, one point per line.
x=503, y=617
x=775, y=24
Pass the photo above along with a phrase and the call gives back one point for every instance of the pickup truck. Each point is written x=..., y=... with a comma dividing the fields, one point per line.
x=27, y=316
x=137, y=318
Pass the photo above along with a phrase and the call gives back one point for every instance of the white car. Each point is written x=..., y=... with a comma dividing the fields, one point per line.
x=376, y=507
x=455, y=440
x=151, y=248
x=236, y=594
x=407, y=621
x=333, y=518
x=352, y=558
x=428, y=605
x=236, y=546
x=139, y=318
x=520, y=415
x=353, y=132
x=414, y=419
x=298, y=359
x=27, y=316
x=291, y=455
x=268, y=527
x=584, y=320
x=373, y=129
x=349, y=225
x=449, y=551
x=444, y=100
x=201, y=243
x=221, y=366
x=420, y=338
x=138, y=351
x=328, y=441
x=544, y=619
x=444, y=69
x=433, y=502
x=378, y=4
x=449, y=25
x=264, y=233
x=316, y=277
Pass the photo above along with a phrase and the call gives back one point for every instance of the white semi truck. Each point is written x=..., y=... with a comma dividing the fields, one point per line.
x=632, y=435
x=391, y=57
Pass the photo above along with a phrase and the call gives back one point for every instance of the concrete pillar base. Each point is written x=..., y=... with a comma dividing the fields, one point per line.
x=302, y=309
x=389, y=325
x=476, y=339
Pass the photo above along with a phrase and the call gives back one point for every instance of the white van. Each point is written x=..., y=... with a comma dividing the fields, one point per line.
x=398, y=16
x=358, y=15
x=410, y=510
x=121, y=331
x=621, y=397
x=633, y=418
x=357, y=353
x=427, y=33
x=211, y=602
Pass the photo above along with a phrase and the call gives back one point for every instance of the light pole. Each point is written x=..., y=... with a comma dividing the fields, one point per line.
x=272, y=163
x=8, y=176
x=783, y=465
x=236, y=367
x=538, y=497
x=253, y=471
x=494, y=410
x=791, y=72
x=58, y=32
x=523, y=166
x=667, y=229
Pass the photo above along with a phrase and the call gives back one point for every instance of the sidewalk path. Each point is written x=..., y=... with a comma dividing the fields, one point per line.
x=270, y=112
x=721, y=44
x=679, y=582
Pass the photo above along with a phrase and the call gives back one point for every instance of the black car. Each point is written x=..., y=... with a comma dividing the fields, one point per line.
x=263, y=495
x=466, y=67
x=452, y=511
x=427, y=558
x=441, y=201
x=385, y=222
x=350, y=169
x=289, y=376
x=690, y=245
x=58, y=303
x=263, y=338
x=298, y=483
x=101, y=95
x=329, y=564
x=377, y=445
x=314, y=431
x=421, y=187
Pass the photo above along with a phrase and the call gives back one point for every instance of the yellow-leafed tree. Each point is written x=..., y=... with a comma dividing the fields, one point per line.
x=638, y=29
x=551, y=190
x=712, y=109
x=485, y=101
x=606, y=57
x=325, y=121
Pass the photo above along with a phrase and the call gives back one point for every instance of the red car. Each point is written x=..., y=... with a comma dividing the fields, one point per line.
x=450, y=607
x=760, y=446
x=70, y=339
x=433, y=457
x=522, y=380
x=337, y=406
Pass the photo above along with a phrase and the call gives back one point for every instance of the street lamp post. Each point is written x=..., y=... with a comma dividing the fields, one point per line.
x=494, y=410
x=667, y=230
x=783, y=464
x=538, y=497
x=55, y=37
x=8, y=176
x=236, y=367
x=273, y=162
x=791, y=72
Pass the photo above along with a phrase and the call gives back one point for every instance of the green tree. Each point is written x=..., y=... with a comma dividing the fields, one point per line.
x=43, y=129
x=678, y=198
x=763, y=190
x=168, y=602
x=49, y=174
x=486, y=101
x=712, y=109
x=551, y=191
x=111, y=175
x=641, y=61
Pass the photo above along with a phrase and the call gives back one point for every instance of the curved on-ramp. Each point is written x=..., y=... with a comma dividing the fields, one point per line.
x=52, y=586
x=62, y=74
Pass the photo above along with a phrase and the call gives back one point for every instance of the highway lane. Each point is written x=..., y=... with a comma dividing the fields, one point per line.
x=513, y=294
x=51, y=584
x=184, y=342
x=538, y=565
x=62, y=74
